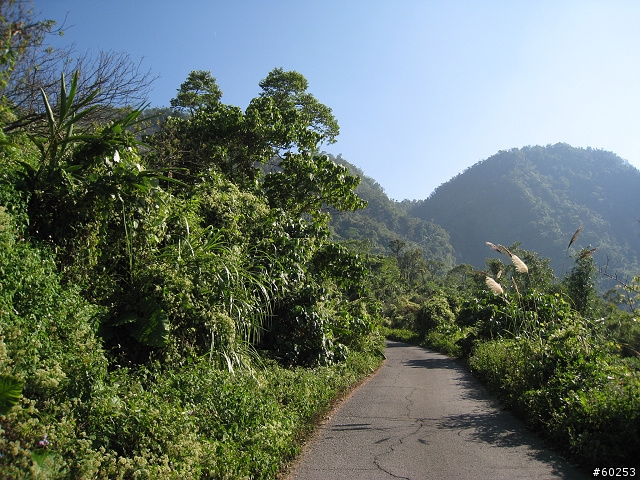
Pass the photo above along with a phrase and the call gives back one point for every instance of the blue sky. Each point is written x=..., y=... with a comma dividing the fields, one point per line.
x=421, y=89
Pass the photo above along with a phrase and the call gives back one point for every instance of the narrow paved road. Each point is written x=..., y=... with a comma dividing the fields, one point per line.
x=423, y=416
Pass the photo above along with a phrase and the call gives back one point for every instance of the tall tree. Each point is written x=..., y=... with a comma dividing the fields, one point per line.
x=199, y=90
x=314, y=121
x=284, y=119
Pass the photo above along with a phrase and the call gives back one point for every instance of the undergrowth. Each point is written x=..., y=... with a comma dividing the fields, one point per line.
x=193, y=422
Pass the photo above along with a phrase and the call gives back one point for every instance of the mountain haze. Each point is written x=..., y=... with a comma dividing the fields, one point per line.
x=539, y=196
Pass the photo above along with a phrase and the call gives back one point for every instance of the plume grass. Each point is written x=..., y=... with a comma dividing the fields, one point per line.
x=574, y=237
x=521, y=267
x=494, y=247
x=587, y=253
x=494, y=286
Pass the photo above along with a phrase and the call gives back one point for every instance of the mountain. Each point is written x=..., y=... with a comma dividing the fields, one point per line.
x=539, y=196
x=384, y=220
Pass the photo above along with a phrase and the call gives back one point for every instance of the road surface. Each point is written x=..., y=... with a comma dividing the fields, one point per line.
x=424, y=416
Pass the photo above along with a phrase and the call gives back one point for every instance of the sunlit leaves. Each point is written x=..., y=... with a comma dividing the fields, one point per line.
x=308, y=184
x=198, y=91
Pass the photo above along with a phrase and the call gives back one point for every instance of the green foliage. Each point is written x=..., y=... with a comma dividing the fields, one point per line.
x=384, y=221
x=10, y=392
x=571, y=387
x=193, y=421
x=283, y=122
x=432, y=314
x=534, y=343
x=38, y=317
x=198, y=91
x=138, y=285
x=304, y=184
x=580, y=284
x=310, y=121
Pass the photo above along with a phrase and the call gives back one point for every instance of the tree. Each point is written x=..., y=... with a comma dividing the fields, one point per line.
x=199, y=90
x=580, y=283
x=282, y=122
x=412, y=264
x=306, y=184
x=313, y=122
x=396, y=246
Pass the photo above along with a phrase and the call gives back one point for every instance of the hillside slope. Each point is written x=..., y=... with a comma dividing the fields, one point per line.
x=539, y=196
x=383, y=220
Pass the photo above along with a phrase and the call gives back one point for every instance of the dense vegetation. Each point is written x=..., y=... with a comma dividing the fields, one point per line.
x=539, y=196
x=184, y=290
x=563, y=355
x=564, y=359
x=171, y=304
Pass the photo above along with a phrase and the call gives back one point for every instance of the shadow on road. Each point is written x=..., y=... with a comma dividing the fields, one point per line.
x=472, y=389
x=500, y=429
x=351, y=426
x=431, y=363
x=394, y=344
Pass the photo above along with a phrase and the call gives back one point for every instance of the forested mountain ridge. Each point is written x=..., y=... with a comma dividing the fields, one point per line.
x=539, y=196
x=384, y=220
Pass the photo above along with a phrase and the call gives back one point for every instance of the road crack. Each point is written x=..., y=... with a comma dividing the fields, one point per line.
x=400, y=441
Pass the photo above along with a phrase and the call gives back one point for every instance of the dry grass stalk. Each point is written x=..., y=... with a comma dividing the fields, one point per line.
x=494, y=247
x=521, y=267
x=513, y=280
x=575, y=237
x=588, y=253
x=494, y=286
x=499, y=248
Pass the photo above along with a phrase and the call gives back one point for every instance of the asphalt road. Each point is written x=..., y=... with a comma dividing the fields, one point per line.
x=423, y=416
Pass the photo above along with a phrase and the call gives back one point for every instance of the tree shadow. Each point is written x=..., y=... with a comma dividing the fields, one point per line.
x=472, y=388
x=433, y=363
x=501, y=429
x=352, y=426
x=396, y=344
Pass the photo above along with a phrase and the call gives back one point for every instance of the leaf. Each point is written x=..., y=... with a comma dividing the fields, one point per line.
x=50, y=117
x=152, y=329
x=125, y=318
x=45, y=461
x=10, y=392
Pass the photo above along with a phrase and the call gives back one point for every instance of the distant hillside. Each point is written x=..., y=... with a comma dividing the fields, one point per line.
x=383, y=221
x=539, y=196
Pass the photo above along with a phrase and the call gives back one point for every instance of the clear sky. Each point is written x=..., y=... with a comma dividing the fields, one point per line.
x=421, y=89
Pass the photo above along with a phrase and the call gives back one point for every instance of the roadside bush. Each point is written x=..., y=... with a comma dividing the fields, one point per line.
x=570, y=385
x=402, y=312
x=48, y=342
x=190, y=422
x=432, y=314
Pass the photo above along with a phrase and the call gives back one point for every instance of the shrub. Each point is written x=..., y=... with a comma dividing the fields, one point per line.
x=47, y=342
x=433, y=313
x=572, y=386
